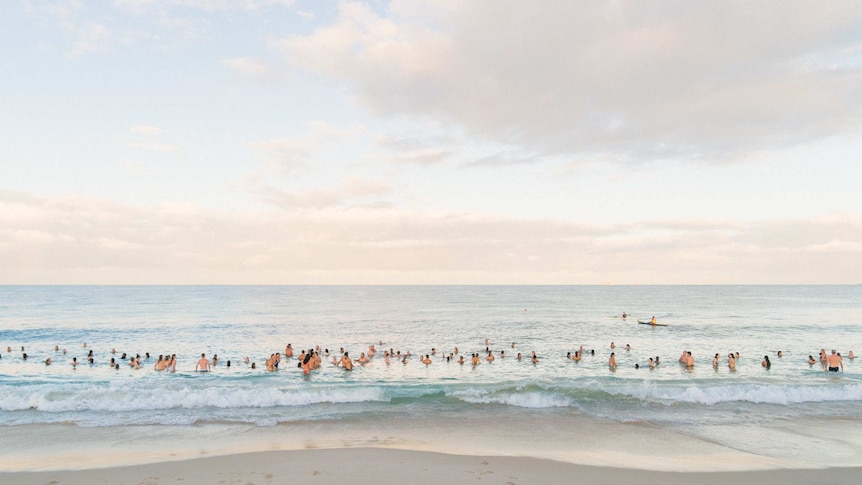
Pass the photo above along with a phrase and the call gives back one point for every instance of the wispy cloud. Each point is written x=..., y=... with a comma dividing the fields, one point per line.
x=145, y=130
x=143, y=137
x=352, y=192
x=249, y=67
x=637, y=81
x=293, y=154
x=88, y=240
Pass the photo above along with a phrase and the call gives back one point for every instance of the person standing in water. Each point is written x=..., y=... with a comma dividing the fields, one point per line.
x=834, y=362
x=203, y=364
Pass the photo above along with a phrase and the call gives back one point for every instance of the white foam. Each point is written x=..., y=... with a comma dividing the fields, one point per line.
x=754, y=393
x=65, y=398
x=531, y=399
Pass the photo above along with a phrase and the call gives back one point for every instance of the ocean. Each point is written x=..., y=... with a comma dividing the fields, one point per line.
x=793, y=412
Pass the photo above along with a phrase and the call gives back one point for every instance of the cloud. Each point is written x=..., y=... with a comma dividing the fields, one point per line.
x=249, y=67
x=290, y=155
x=427, y=148
x=286, y=155
x=349, y=193
x=89, y=240
x=504, y=159
x=141, y=138
x=145, y=130
x=625, y=81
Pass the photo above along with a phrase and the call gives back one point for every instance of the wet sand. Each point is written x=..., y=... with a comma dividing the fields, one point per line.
x=357, y=465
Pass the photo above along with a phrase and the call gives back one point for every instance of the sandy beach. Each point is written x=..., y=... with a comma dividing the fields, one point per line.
x=402, y=466
x=395, y=450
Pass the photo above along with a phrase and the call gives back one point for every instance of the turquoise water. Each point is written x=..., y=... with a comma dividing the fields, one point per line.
x=239, y=321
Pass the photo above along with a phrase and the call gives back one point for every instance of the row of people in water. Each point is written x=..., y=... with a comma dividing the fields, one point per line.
x=311, y=359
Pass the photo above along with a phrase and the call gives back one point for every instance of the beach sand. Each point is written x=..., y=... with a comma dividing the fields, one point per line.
x=358, y=465
x=545, y=449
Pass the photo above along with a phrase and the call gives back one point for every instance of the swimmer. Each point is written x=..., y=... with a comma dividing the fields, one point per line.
x=715, y=362
x=731, y=361
x=490, y=357
x=613, y=345
x=766, y=364
x=577, y=356
x=475, y=360
x=307, y=362
x=461, y=360
x=612, y=361
x=651, y=363
x=811, y=360
x=346, y=362
x=426, y=360
x=203, y=364
x=48, y=361
x=689, y=361
x=535, y=358
x=850, y=355
x=834, y=362
x=780, y=354
x=74, y=362
x=625, y=315
x=270, y=363
x=288, y=351
x=628, y=348
x=519, y=356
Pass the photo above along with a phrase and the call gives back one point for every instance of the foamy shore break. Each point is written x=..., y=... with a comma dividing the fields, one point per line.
x=349, y=465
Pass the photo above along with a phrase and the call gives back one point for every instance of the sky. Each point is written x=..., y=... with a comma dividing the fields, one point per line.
x=430, y=142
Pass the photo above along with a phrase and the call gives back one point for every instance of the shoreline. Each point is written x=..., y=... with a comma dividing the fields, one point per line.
x=565, y=438
x=347, y=465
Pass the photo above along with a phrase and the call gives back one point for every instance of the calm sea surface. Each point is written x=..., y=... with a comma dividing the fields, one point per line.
x=239, y=321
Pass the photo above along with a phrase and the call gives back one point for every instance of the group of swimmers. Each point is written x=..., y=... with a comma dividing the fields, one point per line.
x=312, y=358
x=831, y=363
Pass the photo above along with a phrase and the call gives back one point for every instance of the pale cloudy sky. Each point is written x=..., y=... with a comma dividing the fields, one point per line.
x=430, y=142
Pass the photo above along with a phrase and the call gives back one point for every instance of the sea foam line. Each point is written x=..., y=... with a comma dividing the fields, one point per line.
x=112, y=399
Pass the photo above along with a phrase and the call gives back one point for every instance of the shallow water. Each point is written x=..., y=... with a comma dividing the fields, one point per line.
x=235, y=322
